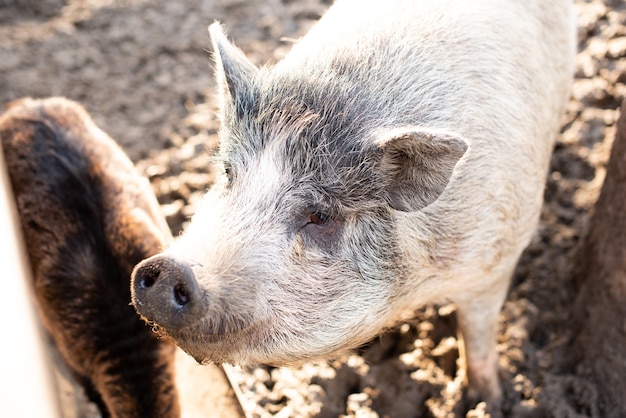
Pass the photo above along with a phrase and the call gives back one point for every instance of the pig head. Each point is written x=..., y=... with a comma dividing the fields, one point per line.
x=293, y=253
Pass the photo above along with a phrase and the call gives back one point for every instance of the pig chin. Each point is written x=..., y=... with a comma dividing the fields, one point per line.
x=258, y=343
x=233, y=347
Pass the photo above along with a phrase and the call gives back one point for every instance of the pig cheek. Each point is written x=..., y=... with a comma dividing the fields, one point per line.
x=318, y=278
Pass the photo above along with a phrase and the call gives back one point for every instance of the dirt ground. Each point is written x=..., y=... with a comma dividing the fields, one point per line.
x=140, y=67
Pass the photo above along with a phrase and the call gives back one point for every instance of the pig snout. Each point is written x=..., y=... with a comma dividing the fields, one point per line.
x=165, y=292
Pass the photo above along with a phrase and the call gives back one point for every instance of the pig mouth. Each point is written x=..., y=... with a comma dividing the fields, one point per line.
x=207, y=329
x=221, y=339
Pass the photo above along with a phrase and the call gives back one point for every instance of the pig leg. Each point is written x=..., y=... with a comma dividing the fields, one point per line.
x=477, y=314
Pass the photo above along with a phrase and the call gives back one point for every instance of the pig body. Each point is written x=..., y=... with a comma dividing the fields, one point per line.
x=395, y=157
x=87, y=218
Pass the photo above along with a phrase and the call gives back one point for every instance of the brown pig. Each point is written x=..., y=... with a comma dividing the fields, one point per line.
x=87, y=218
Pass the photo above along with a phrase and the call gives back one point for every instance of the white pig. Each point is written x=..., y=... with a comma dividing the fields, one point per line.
x=395, y=157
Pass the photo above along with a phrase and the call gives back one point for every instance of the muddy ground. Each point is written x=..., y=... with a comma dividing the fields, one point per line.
x=140, y=67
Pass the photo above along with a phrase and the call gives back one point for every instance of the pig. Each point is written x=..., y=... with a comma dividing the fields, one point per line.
x=88, y=218
x=395, y=157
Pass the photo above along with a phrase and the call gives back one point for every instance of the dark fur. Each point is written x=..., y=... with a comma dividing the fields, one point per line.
x=75, y=189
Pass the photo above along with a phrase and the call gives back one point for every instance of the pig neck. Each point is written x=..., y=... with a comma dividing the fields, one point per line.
x=432, y=253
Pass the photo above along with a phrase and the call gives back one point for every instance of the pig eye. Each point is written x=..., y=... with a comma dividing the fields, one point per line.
x=319, y=218
x=229, y=172
x=321, y=222
x=321, y=229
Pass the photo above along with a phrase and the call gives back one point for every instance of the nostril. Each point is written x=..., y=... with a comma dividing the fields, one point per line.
x=181, y=296
x=149, y=277
x=165, y=292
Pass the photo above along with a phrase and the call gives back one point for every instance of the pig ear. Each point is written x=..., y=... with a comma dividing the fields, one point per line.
x=418, y=164
x=233, y=70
